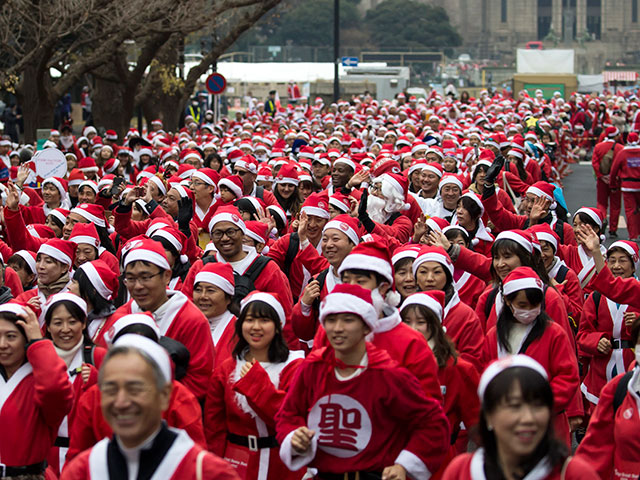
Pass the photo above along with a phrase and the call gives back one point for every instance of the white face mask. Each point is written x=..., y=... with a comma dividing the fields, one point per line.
x=526, y=317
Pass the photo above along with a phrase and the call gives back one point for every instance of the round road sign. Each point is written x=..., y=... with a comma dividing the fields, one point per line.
x=216, y=83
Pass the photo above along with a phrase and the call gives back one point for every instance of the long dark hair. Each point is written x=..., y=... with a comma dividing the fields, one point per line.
x=448, y=289
x=88, y=292
x=506, y=320
x=535, y=389
x=105, y=239
x=291, y=204
x=75, y=311
x=179, y=269
x=443, y=348
x=507, y=246
x=278, y=350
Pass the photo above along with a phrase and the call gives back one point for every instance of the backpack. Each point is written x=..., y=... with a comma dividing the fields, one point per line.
x=621, y=391
x=245, y=283
x=321, y=278
x=607, y=160
x=292, y=251
x=260, y=193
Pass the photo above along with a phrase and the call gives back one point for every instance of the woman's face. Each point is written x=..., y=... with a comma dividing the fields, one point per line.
x=65, y=329
x=49, y=269
x=286, y=189
x=505, y=262
x=431, y=276
x=547, y=253
x=404, y=280
x=519, y=426
x=464, y=217
x=417, y=321
x=406, y=162
x=49, y=222
x=449, y=164
x=258, y=332
x=12, y=343
x=620, y=264
x=211, y=300
x=305, y=189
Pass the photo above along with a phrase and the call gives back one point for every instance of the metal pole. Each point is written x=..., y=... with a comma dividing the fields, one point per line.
x=336, y=49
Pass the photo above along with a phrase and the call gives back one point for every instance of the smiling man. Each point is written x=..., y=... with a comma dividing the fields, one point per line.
x=135, y=387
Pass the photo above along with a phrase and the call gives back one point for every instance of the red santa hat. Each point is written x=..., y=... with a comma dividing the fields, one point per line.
x=85, y=233
x=63, y=251
x=91, y=212
x=405, y=251
x=437, y=224
x=317, y=204
x=340, y=202
x=175, y=238
x=399, y=182
x=39, y=230
x=544, y=190
x=287, y=174
x=264, y=174
x=502, y=364
x=347, y=298
x=594, y=213
x=345, y=161
x=258, y=231
x=89, y=183
x=521, y=237
x=269, y=298
x=76, y=177
x=29, y=257
x=207, y=175
x=129, y=320
x=219, y=275
x=247, y=163
x=347, y=225
x=434, y=167
x=521, y=278
x=87, y=164
x=450, y=179
x=149, y=348
x=233, y=183
x=544, y=232
x=371, y=256
x=60, y=183
x=111, y=165
x=433, y=300
x=629, y=247
x=63, y=297
x=611, y=131
x=111, y=135
x=146, y=250
x=475, y=198
x=228, y=214
x=433, y=254
x=102, y=278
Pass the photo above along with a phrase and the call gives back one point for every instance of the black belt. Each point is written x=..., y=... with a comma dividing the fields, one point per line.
x=349, y=476
x=35, y=469
x=621, y=344
x=61, y=442
x=252, y=442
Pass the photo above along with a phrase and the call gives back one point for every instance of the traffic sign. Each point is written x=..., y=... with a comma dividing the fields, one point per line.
x=349, y=61
x=216, y=83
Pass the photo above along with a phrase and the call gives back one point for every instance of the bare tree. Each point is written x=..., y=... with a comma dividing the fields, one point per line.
x=77, y=37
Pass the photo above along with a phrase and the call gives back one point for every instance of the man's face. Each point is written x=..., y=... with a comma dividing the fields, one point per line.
x=130, y=399
x=86, y=195
x=335, y=246
x=429, y=181
x=450, y=195
x=248, y=178
x=170, y=202
x=202, y=191
x=227, y=238
x=320, y=170
x=340, y=175
x=147, y=284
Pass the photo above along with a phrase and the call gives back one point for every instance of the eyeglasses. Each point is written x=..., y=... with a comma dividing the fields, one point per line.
x=143, y=279
x=240, y=173
x=230, y=232
x=197, y=184
x=375, y=188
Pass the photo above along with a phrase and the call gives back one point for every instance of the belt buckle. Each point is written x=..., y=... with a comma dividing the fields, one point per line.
x=253, y=443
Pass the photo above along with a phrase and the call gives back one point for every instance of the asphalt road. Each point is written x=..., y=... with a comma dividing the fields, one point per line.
x=580, y=191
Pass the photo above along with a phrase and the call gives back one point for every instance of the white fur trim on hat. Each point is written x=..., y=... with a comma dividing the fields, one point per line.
x=269, y=300
x=366, y=262
x=27, y=257
x=205, y=178
x=547, y=237
x=216, y=280
x=449, y=180
x=345, y=161
x=502, y=364
x=228, y=217
x=344, y=228
x=95, y=279
x=317, y=212
x=338, y=205
x=344, y=303
x=413, y=254
x=85, y=239
x=89, y=183
x=432, y=257
x=237, y=191
x=152, y=349
x=142, y=254
x=519, y=239
x=424, y=300
x=593, y=215
x=55, y=253
x=433, y=169
x=170, y=238
x=62, y=297
x=521, y=284
x=159, y=184
x=88, y=216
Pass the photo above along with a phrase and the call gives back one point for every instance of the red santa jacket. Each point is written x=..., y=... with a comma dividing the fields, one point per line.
x=18, y=237
x=89, y=426
x=184, y=322
x=33, y=403
x=470, y=466
x=469, y=287
x=464, y=328
x=581, y=262
x=378, y=418
x=605, y=321
x=247, y=406
x=305, y=318
x=179, y=462
x=556, y=354
x=569, y=287
x=599, y=151
x=625, y=171
x=612, y=444
x=618, y=289
x=401, y=228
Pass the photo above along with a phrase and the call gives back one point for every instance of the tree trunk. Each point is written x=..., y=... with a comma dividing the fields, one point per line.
x=37, y=107
x=112, y=105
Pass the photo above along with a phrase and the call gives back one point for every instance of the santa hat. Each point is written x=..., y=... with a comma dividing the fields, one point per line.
x=39, y=230
x=347, y=298
x=521, y=237
x=317, y=204
x=111, y=165
x=544, y=190
x=437, y=224
x=345, y=161
x=433, y=300
x=87, y=164
x=129, y=320
x=436, y=168
x=450, y=179
x=150, y=349
x=629, y=247
x=502, y=364
x=160, y=182
x=405, y=251
x=85, y=233
x=175, y=238
x=63, y=297
x=269, y=298
x=158, y=223
x=258, y=231
x=29, y=257
x=228, y=214
x=277, y=211
x=91, y=212
x=287, y=174
x=102, y=278
x=347, y=225
x=340, y=202
x=399, y=183
x=264, y=174
x=611, y=131
x=63, y=251
x=544, y=232
x=219, y=275
x=207, y=175
x=521, y=278
x=146, y=250
x=248, y=163
x=370, y=256
x=433, y=254
x=76, y=177
x=110, y=135
x=60, y=183
x=183, y=191
x=253, y=205
x=89, y=183
x=475, y=198
x=594, y=213
x=233, y=183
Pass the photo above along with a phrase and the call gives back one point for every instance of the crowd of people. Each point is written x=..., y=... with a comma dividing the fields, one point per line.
x=359, y=290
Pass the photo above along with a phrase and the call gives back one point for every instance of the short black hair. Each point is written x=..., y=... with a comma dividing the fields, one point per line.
x=367, y=273
x=278, y=349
